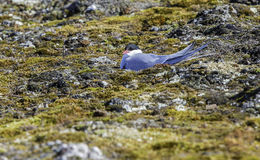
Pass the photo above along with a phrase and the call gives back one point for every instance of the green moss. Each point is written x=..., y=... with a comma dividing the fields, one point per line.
x=188, y=3
x=198, y=133
x=53, y=23
x=4, y=17
x=257, y=70
x=126, y=77
x=13, y=129
x=213, y=117
x=182, y=115
x=47, y=52
x=2, y=150
x=69, y=29
x=87, y=70
x=5, y=83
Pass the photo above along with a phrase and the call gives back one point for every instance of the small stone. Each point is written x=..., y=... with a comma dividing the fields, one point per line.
x=27, y=44
x=95, y=153
x=254, y=10
x=211, y=107
x=26, y=2
x=19, y=23
x=43, y=105
x=154, y=29
x=91, y=8
x=99, y=114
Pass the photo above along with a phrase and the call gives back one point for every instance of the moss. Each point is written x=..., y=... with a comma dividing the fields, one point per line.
x=2, y=150
x=12, y=129
x=47, y=52
x=5, y=83
x=257, y=70
x=213, y=117
x=167, y=145
x=125, y=78
x=69, y=30
x=182, y=115
x=4, y=17
x=87, y=70
x=198, y=133
x=188, y=3
x=53, y=23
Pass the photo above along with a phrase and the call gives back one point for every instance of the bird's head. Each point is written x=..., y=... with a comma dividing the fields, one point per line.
x=132, y=49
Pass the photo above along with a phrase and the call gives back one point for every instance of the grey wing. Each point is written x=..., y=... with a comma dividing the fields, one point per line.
x=189, y=53
x=180, y=53
x=143, y=61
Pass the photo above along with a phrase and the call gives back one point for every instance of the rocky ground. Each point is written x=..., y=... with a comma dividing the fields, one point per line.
x=63, y=96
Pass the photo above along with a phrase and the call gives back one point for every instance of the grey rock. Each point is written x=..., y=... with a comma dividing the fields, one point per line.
x=91, y=8
x=248, y=2
x=76, y=151
x=102, y=60
x=73, y=8
x=27, y=44
x=117, y=104
x=27, y=2
x=217, y=15
x=155, y=29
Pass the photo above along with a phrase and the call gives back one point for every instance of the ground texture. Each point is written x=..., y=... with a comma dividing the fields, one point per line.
x=63, y=96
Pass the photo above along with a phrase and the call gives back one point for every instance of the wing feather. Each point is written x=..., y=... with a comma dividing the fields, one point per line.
x=183, y=57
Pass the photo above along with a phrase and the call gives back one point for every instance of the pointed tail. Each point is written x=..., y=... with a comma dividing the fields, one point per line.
x=185, y=56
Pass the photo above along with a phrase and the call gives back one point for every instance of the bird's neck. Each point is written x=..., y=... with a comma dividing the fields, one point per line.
x=133, y=52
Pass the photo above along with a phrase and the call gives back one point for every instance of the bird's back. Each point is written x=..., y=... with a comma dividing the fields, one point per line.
x=142, y=61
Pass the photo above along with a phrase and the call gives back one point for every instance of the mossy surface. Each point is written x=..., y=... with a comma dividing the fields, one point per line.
x=58, y=90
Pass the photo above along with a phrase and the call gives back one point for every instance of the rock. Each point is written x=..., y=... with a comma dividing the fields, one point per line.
x=91, y=8
x=7, y=23
x=222, y=29
x=103, y=84
x=84, y=95
x=217, y=15
x=44, y=82
x=27, y=2
x=155, y=29
x=43, y=105
x=27, y=44
x=211, y=107
x=89, y=76
x=185, y=33
x=99, y=114
x=19, y=23
x=102, y=60
x=117, y=104
x=248, y=98
x=254, y=10
x=73, y=8
x=254, y=54
x=95, y=153
x=248, y=2
x=77, y=151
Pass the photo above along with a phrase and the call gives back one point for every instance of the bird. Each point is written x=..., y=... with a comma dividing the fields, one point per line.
x=134, y=59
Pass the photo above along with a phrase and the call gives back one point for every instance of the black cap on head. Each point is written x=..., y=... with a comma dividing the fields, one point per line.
x=131, y=47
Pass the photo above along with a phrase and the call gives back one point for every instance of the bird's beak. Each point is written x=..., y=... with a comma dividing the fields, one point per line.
x=125, y=52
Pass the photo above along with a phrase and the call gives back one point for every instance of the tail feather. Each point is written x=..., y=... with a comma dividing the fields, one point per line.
x=185, y=56
x=185, y=50
x=198, y=49
x=178, y=54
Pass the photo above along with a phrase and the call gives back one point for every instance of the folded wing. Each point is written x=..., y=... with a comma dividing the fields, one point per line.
x=188, y=53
